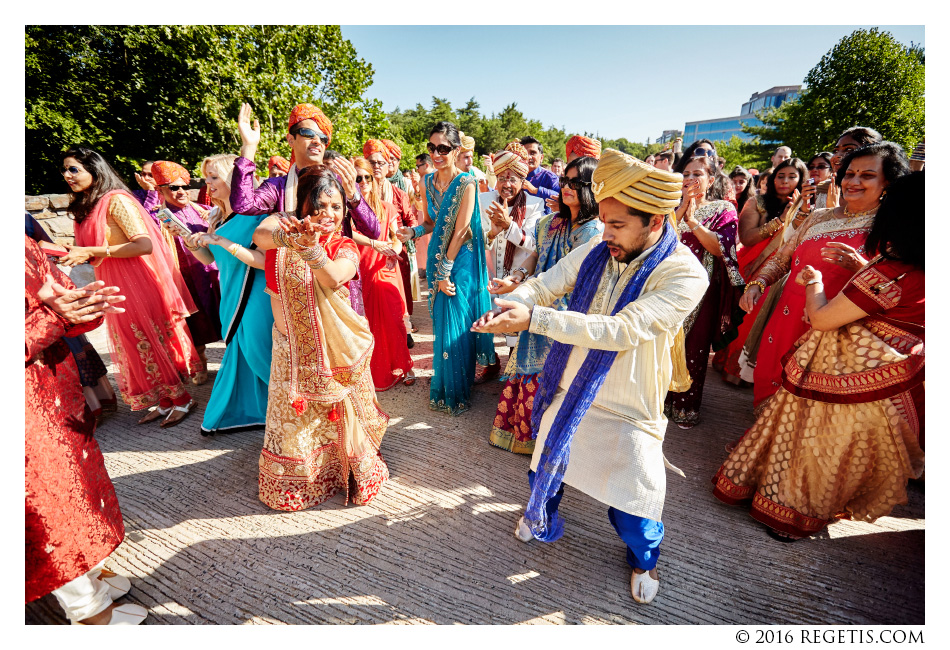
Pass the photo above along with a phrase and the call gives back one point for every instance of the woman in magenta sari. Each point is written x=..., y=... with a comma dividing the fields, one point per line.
x=150, y=342
x=831, y=240
x=708, y=228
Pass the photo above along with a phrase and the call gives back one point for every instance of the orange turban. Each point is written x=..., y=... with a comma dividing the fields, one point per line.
x=582, y=146
x=303, y=112
x=165, y=171
x=279, y=162
x=394, y=149
x=375, y=146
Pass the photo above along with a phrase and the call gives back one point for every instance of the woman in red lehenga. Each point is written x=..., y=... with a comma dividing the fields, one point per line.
x=150, y=341
x=323, y=425
x=73, y=522
x=762, y=225
x=384, y=300
x=845, y=432
x=830, y=240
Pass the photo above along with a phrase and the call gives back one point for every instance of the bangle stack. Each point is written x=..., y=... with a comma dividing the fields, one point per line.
x=233, y=248
x=280, y=238
x=418, y=231
x=756, y=283
x=443, y=268
x=316, y=257
x=770, y=228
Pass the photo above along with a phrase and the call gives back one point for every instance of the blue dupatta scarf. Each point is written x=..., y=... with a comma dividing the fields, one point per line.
x=556, y=238
x=456, y=348
x=557, y=446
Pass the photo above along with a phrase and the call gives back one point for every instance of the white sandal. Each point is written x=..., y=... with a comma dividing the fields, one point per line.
x=162, y=413
x=127, y=614
x=643, y=587
x=186, y=409
x=118, y=585
x=522, y=532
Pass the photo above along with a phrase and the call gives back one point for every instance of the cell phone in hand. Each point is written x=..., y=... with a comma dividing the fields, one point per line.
x=811, y=199
x=173, y=223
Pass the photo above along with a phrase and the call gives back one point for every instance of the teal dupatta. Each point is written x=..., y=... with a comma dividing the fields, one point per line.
x=456, y=348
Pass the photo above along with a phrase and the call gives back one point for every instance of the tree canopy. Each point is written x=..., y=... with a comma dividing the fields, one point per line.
x=173, y=92
x=868, y=78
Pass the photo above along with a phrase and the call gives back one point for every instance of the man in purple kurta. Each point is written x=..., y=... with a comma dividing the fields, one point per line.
x=309, y=133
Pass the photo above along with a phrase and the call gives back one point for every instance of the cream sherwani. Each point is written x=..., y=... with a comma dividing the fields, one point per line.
x=617, y=451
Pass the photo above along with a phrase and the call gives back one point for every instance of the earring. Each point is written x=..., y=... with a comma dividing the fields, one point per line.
x=883, y=194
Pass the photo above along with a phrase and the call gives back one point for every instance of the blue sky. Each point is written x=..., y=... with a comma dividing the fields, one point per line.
x=632, y=81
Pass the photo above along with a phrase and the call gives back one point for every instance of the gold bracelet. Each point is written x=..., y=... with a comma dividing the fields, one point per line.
x=233, y=248
x=758, y=283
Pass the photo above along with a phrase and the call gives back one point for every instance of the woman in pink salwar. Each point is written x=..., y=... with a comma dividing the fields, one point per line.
x=150, y=341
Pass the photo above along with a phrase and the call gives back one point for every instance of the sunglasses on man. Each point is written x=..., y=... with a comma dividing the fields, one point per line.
x=573, y=183
x=443, y=149
x=311, y=134
x=175, y=188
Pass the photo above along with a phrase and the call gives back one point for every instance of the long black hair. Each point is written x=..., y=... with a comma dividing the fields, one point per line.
x=893, y=160
x=104, y=179
x=898, y=229
x=585, y=166
x=311, y=183
x=775, y=206
x=450, y=131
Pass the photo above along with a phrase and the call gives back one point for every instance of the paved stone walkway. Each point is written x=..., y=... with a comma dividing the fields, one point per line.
x=436, y=546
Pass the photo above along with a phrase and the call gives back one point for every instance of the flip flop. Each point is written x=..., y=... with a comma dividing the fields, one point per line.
x=409, y=380
x=187, y=409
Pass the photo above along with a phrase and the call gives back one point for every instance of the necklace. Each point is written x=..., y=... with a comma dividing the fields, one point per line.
x=850, y=214
x=435, y=181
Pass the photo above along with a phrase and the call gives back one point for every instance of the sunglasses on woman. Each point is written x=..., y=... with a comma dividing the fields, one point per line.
x=72, y=169
x=443, y=149
x=310, y=134
x=360, y=178
x=699, y=152
x=175, y=188
x=819, y=166
x=573, y=183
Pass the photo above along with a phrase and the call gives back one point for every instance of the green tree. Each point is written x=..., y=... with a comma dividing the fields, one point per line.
x=173, y=92
x=737, y=151
x=868, y=78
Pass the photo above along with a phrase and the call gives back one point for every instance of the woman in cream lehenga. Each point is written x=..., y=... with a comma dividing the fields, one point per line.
x=324, y=426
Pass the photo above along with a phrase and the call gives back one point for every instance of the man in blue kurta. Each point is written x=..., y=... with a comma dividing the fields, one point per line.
x=540, y=182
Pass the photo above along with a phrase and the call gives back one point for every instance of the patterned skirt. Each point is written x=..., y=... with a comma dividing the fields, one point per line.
x=308, y=458
x=511, y=429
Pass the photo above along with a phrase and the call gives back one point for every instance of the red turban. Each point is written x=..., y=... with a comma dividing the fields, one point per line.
x=582, y=146
x=165, y=171
x=279, y=162
x=303, y=112
x=375, y=146
x=394, y=149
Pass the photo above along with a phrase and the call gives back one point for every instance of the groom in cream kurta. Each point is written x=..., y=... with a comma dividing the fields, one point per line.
x=616, y=454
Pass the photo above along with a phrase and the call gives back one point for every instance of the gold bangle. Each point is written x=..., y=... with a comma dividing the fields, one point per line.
x=758, y=283
x=233, y=248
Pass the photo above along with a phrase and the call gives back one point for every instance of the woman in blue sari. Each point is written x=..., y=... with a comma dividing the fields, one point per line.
x=239, y=396
x=456, y=273
x=574, y=224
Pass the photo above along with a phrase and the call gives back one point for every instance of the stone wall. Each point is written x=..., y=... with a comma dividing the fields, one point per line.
x=50, y=211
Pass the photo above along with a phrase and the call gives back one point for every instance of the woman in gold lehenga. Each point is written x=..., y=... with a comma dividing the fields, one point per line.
x=323, y=425
x=845, y=432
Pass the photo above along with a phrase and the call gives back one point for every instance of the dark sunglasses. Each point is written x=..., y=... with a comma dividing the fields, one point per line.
x=443, y=149
x=573, y=183
x=360, y=178
x=703, y=151
x=310, y=134
x=175, y=188
x=819, y=166
x=70, y=170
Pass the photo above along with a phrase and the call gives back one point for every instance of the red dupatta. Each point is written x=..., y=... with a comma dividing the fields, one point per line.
x=91, y=231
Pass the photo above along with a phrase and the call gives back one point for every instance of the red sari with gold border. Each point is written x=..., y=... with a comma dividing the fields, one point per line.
x=845, y=431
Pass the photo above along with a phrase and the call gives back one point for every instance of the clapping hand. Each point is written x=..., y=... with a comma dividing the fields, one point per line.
x=77, y=255
x=347, y=173
x=498, y=214
x=302, y=233
x=80, y=305
x=834, y=193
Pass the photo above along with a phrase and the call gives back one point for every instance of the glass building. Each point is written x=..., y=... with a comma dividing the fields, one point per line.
x=724, y=128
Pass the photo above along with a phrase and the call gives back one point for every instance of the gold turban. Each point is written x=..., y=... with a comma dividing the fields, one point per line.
x=468, y=142
x=636, y=184
x=513, y=157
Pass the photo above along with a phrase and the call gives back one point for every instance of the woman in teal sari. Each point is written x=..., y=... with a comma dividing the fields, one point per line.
x=574, y=224
x=239, y=396
x=456, y=272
